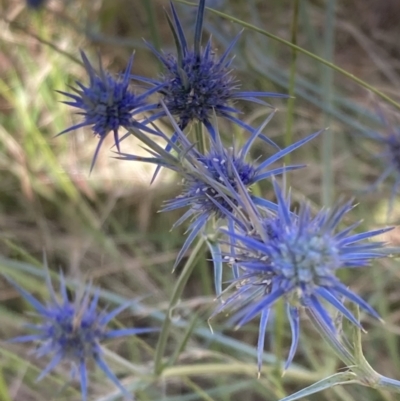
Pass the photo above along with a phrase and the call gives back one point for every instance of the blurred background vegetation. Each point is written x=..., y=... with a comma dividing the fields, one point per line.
x=105, y=226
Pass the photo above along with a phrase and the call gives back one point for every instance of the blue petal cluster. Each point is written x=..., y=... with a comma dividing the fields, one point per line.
x=295, y=257
x=196, y=82
x=195, y=85
x=73, y=332
x=274, y=253
x=107, y=104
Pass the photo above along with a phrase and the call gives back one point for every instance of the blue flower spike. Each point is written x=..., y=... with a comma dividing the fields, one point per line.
x=196, y=82
x=107, y=104
x=209, y=185
x=73, y=331
x=295, y=257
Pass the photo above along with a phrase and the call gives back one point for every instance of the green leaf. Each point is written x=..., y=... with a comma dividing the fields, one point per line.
x=331, y=381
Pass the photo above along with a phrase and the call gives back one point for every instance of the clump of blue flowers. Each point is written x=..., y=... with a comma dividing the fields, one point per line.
x=275, y=253
x=209, y=181
x=296, y=257
x=72, y=331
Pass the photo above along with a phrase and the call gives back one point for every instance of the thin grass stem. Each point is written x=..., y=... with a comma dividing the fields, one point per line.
x=152, y=23
x=292, y=81
x=176, y=294
x=327, y=149
x=303, y=51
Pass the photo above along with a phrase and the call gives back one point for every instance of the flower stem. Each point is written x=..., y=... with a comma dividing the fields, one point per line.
x=292, y=82
x=152, y=23
x=176, y=294
x=200, y=369
x=340, y=350
x=327, y=81
x=201, y=145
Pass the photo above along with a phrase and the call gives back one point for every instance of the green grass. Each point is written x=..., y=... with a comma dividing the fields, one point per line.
x=105, y=225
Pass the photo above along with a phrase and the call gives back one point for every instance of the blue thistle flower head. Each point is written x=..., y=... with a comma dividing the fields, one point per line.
x=210, y=181
x=196, y=82
x=107, y=104
x=296, y=258
x=197, y=87
x=73, y=331
x=203, y=195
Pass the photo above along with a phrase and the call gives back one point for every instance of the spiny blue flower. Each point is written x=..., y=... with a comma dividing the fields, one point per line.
x=295, y=258
x=107, y=104
x=73, y=332
x=209, y=181
x=196, y=82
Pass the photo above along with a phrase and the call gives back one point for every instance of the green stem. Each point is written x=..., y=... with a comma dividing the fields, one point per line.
x=200, y=139
x=205, y=277
x=42, y=40
x=176, y=294
x=292, y=82
x=303, y=51
x=327, y=83
x=4, y=393
x=235, y=368
x=340, y=350
x=151, y=20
